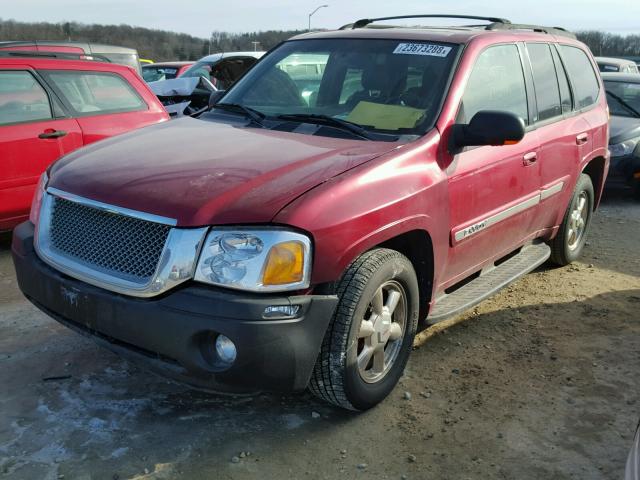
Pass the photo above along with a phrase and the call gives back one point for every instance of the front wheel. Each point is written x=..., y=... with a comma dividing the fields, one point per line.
x=368, y=341
x=568, y=244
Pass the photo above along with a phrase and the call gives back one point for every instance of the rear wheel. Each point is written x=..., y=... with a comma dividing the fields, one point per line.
x=369, y=339
x=568, y=244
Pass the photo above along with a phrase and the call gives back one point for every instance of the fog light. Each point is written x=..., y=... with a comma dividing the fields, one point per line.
x=225, y=349
x=281, y=311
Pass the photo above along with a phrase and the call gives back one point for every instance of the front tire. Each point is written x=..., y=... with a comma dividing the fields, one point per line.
x=568, y=244
x=369, y=339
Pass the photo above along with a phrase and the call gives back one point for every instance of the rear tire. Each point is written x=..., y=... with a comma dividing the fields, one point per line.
x=568, y=244
x=364, y=352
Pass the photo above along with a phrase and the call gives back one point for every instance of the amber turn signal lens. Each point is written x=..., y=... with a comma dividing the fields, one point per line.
x=285, y=264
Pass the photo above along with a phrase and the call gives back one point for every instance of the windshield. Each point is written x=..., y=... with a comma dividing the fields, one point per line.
x=389, y=86
x=155, y=73
x=623, y=98
x=200, y=69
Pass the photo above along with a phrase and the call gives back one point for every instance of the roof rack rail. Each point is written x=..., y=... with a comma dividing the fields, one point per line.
x=535, y=28
x=366, y=21
x=63, y=56
x=494, y=23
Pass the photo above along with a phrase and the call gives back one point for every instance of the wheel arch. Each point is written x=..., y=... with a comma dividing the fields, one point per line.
x=417, y=246
x=596, y=169
x=413, y=239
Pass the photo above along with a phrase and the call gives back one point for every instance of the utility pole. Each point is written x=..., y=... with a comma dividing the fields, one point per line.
x=255, y=46
x=311, y=14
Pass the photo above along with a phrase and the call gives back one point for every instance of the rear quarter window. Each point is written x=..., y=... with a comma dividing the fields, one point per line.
x=92, y=93
x=582, y=76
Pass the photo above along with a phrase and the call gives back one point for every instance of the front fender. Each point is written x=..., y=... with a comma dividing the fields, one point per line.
x=401, y=191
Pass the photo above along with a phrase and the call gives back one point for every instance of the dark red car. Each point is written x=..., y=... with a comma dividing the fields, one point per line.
x=52, y=105
x=352, y=185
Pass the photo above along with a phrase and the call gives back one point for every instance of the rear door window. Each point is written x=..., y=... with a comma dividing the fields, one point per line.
x=496, y=83
x=545, y=81
x=22, y=98
x=582, y=75
x=93, y=93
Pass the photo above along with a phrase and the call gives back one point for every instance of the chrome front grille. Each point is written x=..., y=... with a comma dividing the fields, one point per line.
x=126, y=251
x=121, y=246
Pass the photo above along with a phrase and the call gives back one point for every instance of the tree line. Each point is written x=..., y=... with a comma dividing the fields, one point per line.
x=161, y=45
x=605, y=44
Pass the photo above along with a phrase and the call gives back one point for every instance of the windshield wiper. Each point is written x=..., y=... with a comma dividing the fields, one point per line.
x=625, y=104
x=252, y=113
x=329, y=121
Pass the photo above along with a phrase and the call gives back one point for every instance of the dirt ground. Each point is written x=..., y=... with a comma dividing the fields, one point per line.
x=540, y=382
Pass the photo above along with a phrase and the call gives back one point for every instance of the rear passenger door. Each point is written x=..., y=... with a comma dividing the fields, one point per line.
x=104, y=103
x=494, y=191
x=34, y=132
x=565, y=136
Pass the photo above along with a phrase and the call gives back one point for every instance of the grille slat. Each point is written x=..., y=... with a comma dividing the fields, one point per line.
x=123, y=246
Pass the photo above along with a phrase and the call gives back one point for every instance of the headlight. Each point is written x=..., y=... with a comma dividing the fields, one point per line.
x=36, y=202
x=625, y=148
x=261, y=260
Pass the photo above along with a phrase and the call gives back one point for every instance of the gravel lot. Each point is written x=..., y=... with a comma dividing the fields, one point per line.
x=540, y=382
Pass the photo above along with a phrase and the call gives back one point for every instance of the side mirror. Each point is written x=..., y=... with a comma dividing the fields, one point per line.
x=489, y=127
x=215, y=97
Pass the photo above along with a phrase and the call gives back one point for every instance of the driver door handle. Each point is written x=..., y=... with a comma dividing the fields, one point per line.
x=52, y=134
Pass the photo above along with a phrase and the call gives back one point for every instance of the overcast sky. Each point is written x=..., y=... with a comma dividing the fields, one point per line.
x=200, y=17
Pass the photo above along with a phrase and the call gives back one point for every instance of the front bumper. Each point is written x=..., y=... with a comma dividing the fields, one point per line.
x=174, y=334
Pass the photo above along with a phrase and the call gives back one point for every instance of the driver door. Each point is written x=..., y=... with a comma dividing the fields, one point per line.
x=494, y=191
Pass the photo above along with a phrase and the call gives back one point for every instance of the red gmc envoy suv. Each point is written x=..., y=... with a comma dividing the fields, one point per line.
x=352, y=185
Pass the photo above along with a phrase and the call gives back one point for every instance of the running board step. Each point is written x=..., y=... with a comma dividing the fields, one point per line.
x=492, y=279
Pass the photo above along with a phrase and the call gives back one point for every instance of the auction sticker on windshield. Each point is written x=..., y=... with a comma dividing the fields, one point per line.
x=422, y=49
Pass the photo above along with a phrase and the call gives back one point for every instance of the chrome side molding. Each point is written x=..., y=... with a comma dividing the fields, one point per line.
x=508, y=212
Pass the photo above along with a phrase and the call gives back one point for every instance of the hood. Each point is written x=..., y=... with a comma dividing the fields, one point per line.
x=182, y=87
x=623, y=128
x=199, y=172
